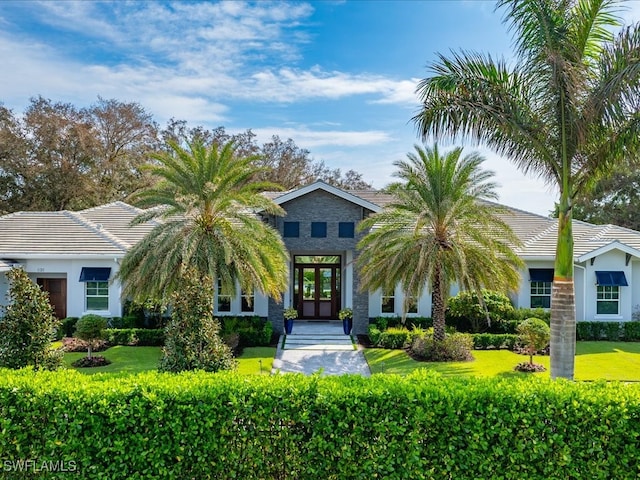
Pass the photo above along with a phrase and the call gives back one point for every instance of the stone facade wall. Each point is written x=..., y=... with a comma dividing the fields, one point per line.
x=321, y=206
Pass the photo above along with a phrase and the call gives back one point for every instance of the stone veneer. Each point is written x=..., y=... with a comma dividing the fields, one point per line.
x=321, y=206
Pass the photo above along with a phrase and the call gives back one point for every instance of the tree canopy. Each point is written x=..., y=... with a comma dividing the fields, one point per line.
x=440, y=229
x=205, y=205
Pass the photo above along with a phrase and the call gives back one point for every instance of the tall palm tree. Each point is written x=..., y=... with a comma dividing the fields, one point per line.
x=440, y=229
x=567, y=110
x=204, y=206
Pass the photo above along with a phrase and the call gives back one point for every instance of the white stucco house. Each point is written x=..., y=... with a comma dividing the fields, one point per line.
x=75, y=256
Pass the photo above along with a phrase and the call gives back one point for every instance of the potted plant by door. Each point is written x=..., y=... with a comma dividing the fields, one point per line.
x=290, y=314
x=346, y=315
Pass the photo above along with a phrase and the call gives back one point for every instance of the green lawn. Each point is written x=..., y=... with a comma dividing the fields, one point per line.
x=253, y=361
x=594, y=361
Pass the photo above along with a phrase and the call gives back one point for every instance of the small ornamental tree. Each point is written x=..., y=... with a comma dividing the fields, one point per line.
x=90, y=328
x=192, y=340
x=535, y=335
x=28, y=326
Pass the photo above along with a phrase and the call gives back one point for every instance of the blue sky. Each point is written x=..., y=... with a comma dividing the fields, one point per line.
x=337, y=77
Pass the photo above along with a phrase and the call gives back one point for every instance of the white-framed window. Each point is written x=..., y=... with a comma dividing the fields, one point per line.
x=224, y=301
x=540, y=294
x=247, y=301
x=412, y=304
x=608, y=300
x=97, y=296
x=388, y=302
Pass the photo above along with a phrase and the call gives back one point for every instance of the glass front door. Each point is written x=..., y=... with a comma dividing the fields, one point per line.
x=317, y=287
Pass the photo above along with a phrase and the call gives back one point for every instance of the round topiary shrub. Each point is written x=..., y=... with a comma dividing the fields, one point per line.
x=534, y=334
x=90, y=328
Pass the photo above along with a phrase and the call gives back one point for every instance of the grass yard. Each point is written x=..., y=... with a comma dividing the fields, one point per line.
x=594, y=361
x=126, y=360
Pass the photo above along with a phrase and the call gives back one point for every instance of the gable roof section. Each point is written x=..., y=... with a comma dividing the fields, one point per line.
x=320, y=185
x=539, y=236
x=116, y=219
x=615, y=245
x=101, y=230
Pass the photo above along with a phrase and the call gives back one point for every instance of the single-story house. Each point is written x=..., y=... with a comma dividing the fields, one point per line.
x=75, y=255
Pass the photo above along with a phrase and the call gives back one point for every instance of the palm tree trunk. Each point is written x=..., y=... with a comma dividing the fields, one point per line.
x=563, y=305
x=437, y=300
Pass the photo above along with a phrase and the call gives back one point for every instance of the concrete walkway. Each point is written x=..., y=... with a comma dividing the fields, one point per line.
x=319, y=346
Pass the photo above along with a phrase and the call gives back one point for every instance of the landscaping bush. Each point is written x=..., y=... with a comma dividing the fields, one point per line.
x=393, y=338
x=195, y=425
x=455, y=347
x=374, y=334
x=147, y=337
x=192, y=340
x=483, y=341
x=382, y=323
x=69, y=326
x=521, y=314
x=73, y=344
x=252, y=331
x=631, y=331
x=466, y=313
x=595, y=331
x=28, y=325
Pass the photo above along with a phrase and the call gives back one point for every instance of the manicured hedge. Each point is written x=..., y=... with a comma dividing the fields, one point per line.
x=482, y=341
x=222, y=426
x=135, y=336
x=609, y=331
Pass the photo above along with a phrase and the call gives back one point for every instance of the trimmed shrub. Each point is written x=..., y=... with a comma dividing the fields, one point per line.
x=521, y=314
x=69, y=326
x=382, y=323
x=454, y=348
x=251, y=331
x=631, y=331
x=483, y=341
x=393, y=338
x=374, y=334
x=595, y=331
x=465, y=311
x=28, y=325
x=147, y=337
x=223, y=426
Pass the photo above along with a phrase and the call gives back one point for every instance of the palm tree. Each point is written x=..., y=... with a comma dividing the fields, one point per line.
x=204, y=206
x=567, y=111
x=440, y=229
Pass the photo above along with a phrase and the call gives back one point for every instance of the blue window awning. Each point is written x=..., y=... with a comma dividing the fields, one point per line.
x=607, y=279
x=541, y=274
x=95, y=274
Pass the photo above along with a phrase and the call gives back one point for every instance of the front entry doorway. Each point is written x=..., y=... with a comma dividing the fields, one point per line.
x=57, y=288
x=317, y=286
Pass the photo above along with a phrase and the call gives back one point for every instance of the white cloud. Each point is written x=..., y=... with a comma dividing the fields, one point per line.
x=306, y=138
x=291, y=85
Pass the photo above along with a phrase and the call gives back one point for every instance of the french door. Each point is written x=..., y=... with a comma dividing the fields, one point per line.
x=317, y=288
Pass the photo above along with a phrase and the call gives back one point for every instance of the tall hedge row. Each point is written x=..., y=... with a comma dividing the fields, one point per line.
x=223, y=426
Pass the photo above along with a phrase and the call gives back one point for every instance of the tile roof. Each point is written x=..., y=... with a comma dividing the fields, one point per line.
x=106, y=230
x=102, y=230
